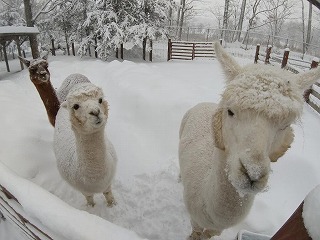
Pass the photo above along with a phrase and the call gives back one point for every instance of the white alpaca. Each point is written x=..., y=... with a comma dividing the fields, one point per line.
x=225, y=149
x=85, y=157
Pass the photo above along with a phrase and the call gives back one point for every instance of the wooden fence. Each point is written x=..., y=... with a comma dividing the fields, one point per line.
x=12, y=211
x=312, y=95
x=190, y=50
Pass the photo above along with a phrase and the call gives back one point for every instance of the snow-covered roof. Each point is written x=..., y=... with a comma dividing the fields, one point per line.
x=17, y=30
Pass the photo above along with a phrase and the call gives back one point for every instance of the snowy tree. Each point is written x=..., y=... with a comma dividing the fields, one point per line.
x=11, y=13
x=115, y=22
x=277, y=12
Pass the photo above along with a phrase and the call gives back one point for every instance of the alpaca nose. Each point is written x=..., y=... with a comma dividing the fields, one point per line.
x=254, y=172
x=95, y=112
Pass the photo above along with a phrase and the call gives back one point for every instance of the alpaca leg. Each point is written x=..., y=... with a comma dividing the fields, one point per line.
x=196, y=231
x=207, y=234
x=110, y=198
x=90, y=201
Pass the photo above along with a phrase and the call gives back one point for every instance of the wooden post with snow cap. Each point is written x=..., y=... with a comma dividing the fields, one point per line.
x=304, y=222
x=306, y=94
x=256, y=57
x=315, y=62
x=268, y=53
x=285, y=57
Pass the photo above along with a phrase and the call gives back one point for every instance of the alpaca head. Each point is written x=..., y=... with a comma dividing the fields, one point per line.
x=252, y=125
x=87, y=108
x=38, y=69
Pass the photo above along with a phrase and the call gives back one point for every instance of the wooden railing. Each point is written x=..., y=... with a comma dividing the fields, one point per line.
x=190, y=50
x=13, y=212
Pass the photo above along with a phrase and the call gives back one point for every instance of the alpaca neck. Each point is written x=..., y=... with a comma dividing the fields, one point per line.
x=91, y=152
x=49, y=99
x=224, y=199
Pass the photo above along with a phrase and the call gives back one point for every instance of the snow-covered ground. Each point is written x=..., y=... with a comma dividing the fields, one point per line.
x=147, y=102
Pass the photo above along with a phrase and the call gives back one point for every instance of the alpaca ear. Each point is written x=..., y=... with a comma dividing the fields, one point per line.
x=306, y=79
x=283, y=145
x=24, y=61
x=217, y=129
x=230, y=67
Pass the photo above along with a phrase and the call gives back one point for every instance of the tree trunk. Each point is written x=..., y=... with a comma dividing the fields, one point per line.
x=308, y=40
x=303, y=31
x=30, y=23
x=225, y=18
x=181, y=18
x=243, y=8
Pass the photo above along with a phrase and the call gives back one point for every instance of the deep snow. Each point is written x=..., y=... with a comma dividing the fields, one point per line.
x=147, y=102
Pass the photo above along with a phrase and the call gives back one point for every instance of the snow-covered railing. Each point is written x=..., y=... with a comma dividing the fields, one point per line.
x=312, y=95
x=38, y=214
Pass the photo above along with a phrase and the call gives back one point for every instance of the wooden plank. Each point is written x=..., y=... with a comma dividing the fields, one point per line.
x=315, y=93
x=317, y=84
x=182, y=50
x=178, y=58
x=181, y=55
x=314, y=106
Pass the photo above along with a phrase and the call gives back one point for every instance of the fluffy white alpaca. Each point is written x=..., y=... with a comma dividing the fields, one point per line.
x=225, y=149
x=85, y=157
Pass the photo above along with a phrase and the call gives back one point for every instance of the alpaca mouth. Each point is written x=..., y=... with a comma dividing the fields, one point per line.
x=247, y=186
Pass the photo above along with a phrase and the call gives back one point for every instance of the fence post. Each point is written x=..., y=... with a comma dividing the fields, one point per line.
x=121, y=51
x=285, y=57
x=72, y=46
x=193, y=50
x=315, y=62
x=306, y=94
x=208, y=34
x=89, y=50
x=220, y=40
x=169, y=49
x=150, y=53
x=95, y=47
x=5, y=55
x=117, y=52
x=53, y=51
x=256, y=58
x=267, y=60
x=144, y=43
x=17, y=40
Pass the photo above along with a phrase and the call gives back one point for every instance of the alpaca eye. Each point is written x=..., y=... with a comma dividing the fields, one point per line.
x=100, y=100
x=76, y=106
x=230, y=113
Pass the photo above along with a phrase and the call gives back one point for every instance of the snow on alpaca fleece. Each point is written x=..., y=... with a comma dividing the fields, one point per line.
x=225, y=149
x=86, y=159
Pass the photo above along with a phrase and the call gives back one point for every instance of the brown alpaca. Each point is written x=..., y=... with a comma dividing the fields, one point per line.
x=40, y=76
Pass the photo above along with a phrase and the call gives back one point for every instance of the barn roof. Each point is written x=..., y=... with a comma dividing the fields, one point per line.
x=8, y=33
